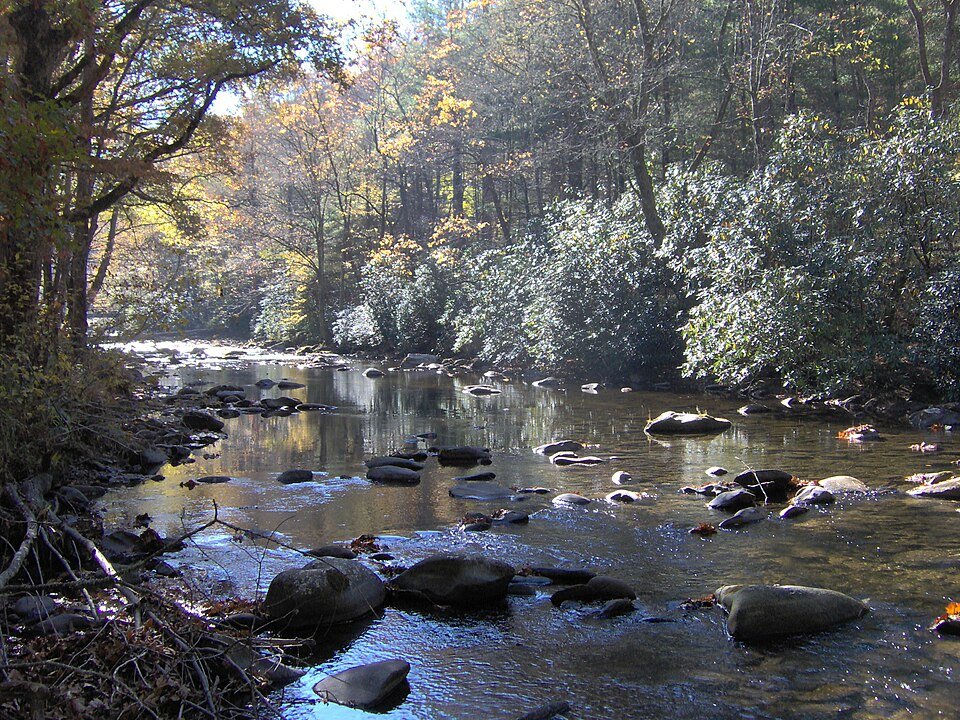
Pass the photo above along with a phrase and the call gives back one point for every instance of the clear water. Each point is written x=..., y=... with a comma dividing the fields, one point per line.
x=899, y=554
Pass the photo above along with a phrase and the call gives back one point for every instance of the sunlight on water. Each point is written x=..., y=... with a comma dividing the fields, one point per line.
x=898, y=553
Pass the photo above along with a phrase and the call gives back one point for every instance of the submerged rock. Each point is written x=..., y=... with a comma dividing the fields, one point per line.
x=365, y=686
x=480, y=491
x=747, y=516
x=456, y=579
x=599, y=588
x=480, y=390
x=566, y=459
x=615, y=608
x=792, y=511
x=759, y=612
x=324, y=592
x=674, y=423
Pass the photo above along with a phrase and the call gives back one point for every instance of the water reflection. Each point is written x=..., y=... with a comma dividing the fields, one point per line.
x=901, y=554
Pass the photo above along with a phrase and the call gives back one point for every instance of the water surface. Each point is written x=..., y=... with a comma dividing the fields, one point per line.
x=899, y=554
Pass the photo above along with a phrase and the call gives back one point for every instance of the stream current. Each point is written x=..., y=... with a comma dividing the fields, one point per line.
x=899, y=554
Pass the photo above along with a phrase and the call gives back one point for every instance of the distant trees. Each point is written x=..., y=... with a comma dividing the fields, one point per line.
x=97, y=98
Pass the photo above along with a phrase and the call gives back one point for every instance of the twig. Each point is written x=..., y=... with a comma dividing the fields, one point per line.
x=28, y=539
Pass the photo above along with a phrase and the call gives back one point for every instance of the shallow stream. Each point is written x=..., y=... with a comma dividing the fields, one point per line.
x=899, y=554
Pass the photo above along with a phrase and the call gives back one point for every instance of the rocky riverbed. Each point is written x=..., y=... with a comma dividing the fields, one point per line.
x=623, y=644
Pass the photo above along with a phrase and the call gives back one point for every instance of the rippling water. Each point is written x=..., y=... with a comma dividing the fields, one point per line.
x=898, y=553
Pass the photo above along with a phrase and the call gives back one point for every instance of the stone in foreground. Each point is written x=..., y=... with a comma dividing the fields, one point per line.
x=944, y=490
x=325, y=592
x=456, y=579
x=761, y=612
x=674, y=423
x=365, y=686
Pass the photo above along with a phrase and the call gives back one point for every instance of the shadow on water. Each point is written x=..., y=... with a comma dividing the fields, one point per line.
x=899, y=554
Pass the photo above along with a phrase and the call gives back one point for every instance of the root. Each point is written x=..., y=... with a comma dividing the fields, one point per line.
x=30, y=536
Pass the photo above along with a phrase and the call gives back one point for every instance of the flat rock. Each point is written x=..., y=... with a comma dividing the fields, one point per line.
x=944, y=490
x=290, y=385
x=844, y=484
x=365, y=686
x=462, y=455
x=674, y=423
x=325, y=592
x=754, y=409
x=621, y=477
x=565, y=460
x=457, y=579
x=289, y=477
x=570, y=499
x=563, y=576
x=476, y=477
x=558, y=446
x=733, y=500
x=759, y=612
x=393, y=474
x=280, y=403
x=395, y=462
x=265, y=383
x=480, y=491
x=716, y=471
x=510, y=517
x=480, y=390
x=623, y=496
x=212, y=479
x=599, y=588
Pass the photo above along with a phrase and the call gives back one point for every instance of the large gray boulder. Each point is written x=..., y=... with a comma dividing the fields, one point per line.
x=456, y=579
x=325, y=592
x=365, y=686
x=943, y=490
x=674, y=423
x=760, y=612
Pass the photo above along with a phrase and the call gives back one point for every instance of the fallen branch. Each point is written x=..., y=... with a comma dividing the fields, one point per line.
x=10, y=491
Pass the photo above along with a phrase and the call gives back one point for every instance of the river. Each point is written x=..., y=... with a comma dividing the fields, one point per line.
x=899, y=554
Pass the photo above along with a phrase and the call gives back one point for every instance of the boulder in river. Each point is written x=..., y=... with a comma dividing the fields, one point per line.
x=570, y=499
x=280, y=403
x=792, y=511
x=733, y=500
x=200, y=420
x=290, y=385
x=412, y=360
x=324, y=592
x=813, y=495
x=462, y=455
x=943, y=490
x=685, y=423
x=456, y=579
x=766, y=484
x=599, y=588
x=265, y=383
x=844, y=484
x=621, y=477
x=760, y=612
x=716, y=471
x=373, y=373
x=754, y=409
x=395, y=461
x=566, y=460
x=558, y=446
x=739, y=519
x=623, y=496
x=366, y=686
x=480, y=390
x=289, y=477
x=480, y=490
x=393, y=474
x=476, y=477
x=547, y=382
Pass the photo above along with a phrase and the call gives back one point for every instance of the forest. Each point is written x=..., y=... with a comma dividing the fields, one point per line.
x=733, y=190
